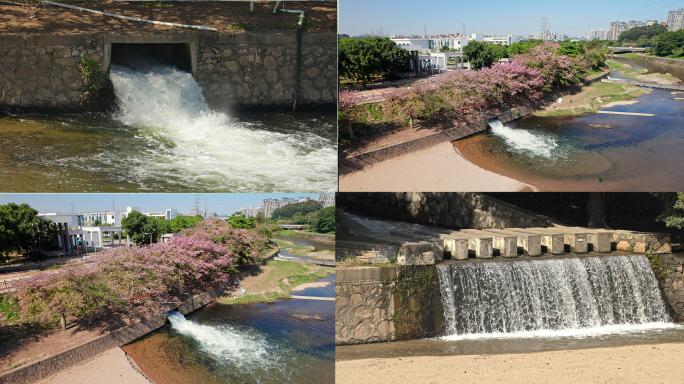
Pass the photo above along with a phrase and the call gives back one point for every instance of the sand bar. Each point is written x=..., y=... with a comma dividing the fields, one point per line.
x=110, y=367
x=649, y=363
x=439, y=168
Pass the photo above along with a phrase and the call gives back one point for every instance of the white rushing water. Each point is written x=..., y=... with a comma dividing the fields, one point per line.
x=522, y=140
x=225, y=343
x=573, y=297
x=189, y=143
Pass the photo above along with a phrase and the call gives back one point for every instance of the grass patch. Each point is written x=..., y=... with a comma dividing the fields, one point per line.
x=54, y=266
x=9, y=308
x=615, y=66
x=633, y=73
x=301, y=251
x=17, y=365
x=155, y=4
x=295, y=280
x=267, y=297
x=352, y=262
x=242, y=26
x=284, y=243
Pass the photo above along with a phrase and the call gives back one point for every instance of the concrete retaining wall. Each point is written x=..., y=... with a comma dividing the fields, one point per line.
x=377, y=304
x=45, y=368
x=460, y=210
x=660, y=60
x=42, y=71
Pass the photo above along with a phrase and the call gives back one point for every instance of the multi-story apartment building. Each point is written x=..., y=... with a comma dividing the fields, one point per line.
x=327, y=199
x=675, y=20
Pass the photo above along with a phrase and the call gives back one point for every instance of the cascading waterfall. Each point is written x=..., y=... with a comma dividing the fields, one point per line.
x=560, y=297
x=191, y=144
x=524, y=140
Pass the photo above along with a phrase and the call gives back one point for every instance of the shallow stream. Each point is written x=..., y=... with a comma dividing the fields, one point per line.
x=592, y=151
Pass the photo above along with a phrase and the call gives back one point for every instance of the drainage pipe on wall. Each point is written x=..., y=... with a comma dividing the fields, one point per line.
x=299, y=50
x=200, y=27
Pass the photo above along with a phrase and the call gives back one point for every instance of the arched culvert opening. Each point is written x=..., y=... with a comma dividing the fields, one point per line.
x=142, y=56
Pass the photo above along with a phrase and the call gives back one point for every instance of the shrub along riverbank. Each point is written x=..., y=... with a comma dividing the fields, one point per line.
x=137, y=278
x=542, y=69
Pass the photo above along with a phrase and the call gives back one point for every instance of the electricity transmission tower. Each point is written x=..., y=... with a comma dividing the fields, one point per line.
x=206, y=207
x=545, y=27
x=113, y=206
x=424, y=31
x=197, y=204
x=464, y=29
x=380, y=31
x=72, y=208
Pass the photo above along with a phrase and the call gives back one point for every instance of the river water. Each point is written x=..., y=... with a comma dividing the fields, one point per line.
x=164, y=137
x=592, y=151
x=243, y=343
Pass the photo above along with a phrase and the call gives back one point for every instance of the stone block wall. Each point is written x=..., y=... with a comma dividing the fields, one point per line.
x=378, y=304
x=42, y=71
x=672, y=283
x=256, y=69
x=459, y=210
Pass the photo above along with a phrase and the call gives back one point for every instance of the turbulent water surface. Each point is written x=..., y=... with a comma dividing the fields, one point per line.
x=164, y=137
x=244, y=343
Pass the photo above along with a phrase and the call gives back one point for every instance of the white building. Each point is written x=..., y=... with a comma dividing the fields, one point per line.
x=675, y=20
x=503, y=40
x=327, y=199
x=73, y=220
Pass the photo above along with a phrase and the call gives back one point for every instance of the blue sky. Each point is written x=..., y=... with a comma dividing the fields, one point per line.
x=505, y=17
x=221, y=203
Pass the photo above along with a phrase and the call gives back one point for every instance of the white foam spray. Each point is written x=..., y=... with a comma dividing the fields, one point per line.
x=524, y=140
x=192, y=144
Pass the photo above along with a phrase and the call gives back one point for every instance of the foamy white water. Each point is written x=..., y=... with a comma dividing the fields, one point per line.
x=189, y=143
x=523, y=140
x=224, y=343
x=574, y=297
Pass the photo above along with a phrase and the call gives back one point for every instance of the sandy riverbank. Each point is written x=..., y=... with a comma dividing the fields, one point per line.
x=655, y=363
x=111, y=367
x=439, y=168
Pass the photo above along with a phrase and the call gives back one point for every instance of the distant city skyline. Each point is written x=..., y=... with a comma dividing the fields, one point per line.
x=403, y=17
x=221, y=203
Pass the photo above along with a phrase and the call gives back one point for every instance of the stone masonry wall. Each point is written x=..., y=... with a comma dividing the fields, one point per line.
x=460, y=210
x=42, y=70
x=378, y=304
x=255, y=69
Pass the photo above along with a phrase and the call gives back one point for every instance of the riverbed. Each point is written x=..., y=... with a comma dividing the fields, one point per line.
x=593, y=151
x=162, y=136
x=289, y=341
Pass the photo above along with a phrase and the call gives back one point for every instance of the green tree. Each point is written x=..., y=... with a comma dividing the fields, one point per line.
x=571, y=48
x=238, y=220
x=139, y=227
x=361, y=59
x=181, y=222
x=21, y=230
x=479, y=54
x=289, y=211
x=444, y=48
x=670, y=42
x=642, y=35
x=673, y=216
x=326, y=220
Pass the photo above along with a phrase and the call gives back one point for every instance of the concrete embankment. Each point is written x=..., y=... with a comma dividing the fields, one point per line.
x=659, y=60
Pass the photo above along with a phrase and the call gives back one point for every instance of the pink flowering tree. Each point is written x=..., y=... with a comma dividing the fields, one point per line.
x=349, y=109
x=77, y=292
